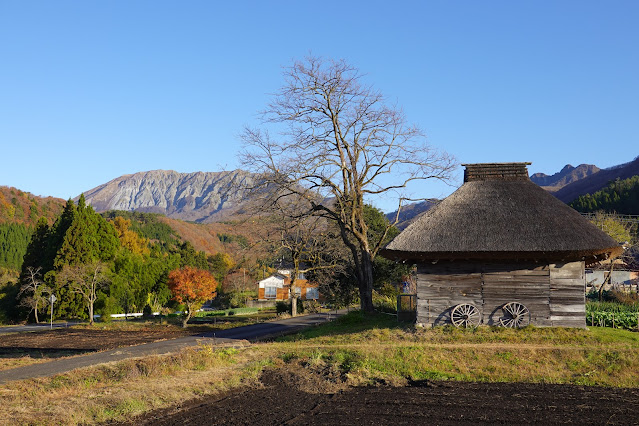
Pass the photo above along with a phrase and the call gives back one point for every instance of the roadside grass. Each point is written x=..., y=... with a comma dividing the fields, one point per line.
x=16, y=360
x=356, y=349
x=119, y=390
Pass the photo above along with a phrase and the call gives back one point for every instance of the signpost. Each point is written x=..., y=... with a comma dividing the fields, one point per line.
x=52, y=300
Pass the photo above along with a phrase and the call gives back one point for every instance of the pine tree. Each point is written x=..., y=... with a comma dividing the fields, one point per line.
x=57, y=233
x=37, y=248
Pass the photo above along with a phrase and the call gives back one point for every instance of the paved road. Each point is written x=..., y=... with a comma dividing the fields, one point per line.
x=236, y=337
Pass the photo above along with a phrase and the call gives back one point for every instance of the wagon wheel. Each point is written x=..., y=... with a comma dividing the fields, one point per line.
x=516, y=315
x=465, y=315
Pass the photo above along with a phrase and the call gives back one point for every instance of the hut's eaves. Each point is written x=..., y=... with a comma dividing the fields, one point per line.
x=498, y=213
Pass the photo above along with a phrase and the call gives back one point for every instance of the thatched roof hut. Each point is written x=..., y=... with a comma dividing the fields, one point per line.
x=501, y=224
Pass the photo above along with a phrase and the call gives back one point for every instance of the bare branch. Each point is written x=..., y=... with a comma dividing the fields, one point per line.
x=336, y=142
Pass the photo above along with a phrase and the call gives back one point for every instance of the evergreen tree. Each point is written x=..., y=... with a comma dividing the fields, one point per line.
x=36, y=250
x=89, y=238
x=620, y=196
x=14, y=239
x=57, y=233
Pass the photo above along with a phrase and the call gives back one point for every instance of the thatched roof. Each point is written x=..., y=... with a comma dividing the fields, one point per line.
x=498, y=213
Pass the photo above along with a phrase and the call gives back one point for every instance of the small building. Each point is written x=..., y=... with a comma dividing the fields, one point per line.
x=620, y=279
x=278, y=287
x=501, y=251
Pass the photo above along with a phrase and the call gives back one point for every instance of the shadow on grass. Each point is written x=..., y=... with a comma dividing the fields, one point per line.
x=353, y=322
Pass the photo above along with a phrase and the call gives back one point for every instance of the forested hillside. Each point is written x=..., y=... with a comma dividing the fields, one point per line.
x=130, y=254
x=19, y=213
x=14, y=238
x=620, y=196
x=24, y=208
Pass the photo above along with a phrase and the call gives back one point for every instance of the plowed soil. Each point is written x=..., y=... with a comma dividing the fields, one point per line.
x=65, y=341
x=285, y=398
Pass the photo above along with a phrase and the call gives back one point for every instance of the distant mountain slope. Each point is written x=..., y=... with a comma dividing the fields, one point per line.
x=410, y=212
x=24, y=208
x=619, y=196
x=19, y=214
x=566, y=176
x=198, y=197
x=597, y=181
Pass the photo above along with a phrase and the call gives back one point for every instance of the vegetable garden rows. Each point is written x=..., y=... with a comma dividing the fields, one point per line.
x=615, y=315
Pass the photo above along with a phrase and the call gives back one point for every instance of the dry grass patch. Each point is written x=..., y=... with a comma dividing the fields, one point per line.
x=120, y=390
x=9, y=362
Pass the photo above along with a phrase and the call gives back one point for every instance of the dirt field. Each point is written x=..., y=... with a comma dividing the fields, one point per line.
x=287, y=399
x=69, y=341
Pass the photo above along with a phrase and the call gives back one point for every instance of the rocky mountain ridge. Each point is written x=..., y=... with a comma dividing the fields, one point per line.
x=410, y=212
x=566, y=176
x=199, y=197
x=596, y=181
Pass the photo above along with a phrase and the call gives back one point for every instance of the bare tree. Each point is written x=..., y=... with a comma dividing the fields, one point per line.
x=309, y=244
x=623, y=231
x=33, y=291
x=338, y=139
x=85, y=279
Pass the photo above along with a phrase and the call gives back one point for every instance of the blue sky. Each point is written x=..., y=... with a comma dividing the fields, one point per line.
x=93, y=90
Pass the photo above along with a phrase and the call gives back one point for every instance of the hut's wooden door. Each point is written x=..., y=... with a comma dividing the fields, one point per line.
x=567, y=294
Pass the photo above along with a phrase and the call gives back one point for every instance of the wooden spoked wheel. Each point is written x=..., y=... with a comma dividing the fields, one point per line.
x=516, y=315
x=465, y=315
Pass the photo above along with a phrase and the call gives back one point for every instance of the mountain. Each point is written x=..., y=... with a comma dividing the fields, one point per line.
x=597, y=181
x=19, y=207
x=199, y=197
x=566, y=176
x=410, y=212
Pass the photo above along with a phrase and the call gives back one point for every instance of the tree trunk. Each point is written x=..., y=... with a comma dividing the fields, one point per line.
x=607, y=280
x=292, y=296
x=186, y=317
x=35, y=311
x=90, y=313
x=365, y=278
x=293, y=304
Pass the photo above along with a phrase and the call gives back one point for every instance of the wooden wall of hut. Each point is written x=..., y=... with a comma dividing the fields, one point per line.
x=553, y=293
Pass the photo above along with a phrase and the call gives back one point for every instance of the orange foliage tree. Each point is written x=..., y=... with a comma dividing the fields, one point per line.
x=192, y=287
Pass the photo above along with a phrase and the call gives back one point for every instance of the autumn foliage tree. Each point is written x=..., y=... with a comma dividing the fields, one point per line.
x=192, y=287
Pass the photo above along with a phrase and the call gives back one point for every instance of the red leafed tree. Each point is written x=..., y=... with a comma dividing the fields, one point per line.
x=192, y=287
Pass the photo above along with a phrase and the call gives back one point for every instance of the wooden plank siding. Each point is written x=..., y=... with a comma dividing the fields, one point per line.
x=568, y=294
x=554, y=294
x=442, y=287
